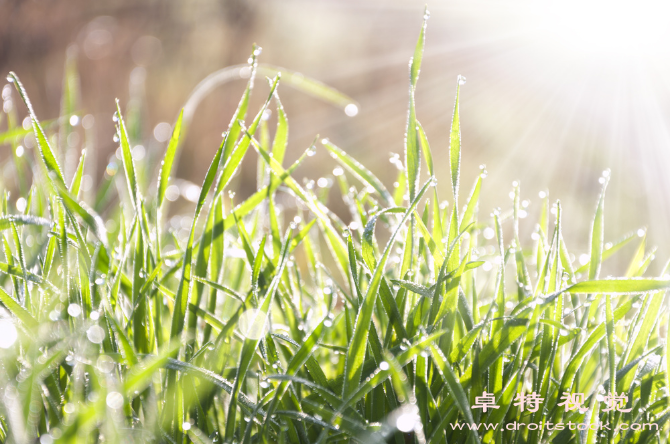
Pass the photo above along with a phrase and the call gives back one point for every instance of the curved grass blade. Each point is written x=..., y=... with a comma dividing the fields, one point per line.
x=233, y=160
x=21, y=219
x=53, y=168
x=311, y=86
x=356, y=168
x=620, y=286
x=17, y=310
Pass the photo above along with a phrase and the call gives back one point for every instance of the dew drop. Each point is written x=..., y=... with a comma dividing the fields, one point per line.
x=461, y=80
x=311, y=151
x=8, y=333
x=351, y=110
x=95, y=334
x=74, y=310
x=114, y=400
x=408, y=420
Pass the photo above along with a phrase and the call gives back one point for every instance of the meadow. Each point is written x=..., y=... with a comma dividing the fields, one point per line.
x=270, y=319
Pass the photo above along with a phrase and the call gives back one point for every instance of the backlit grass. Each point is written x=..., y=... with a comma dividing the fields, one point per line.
x=247, y=322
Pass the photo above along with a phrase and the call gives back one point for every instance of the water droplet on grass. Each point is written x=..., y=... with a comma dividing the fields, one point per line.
x=8, y=333
x=351, y=110
x=95, y=334
x=114, y=400
x=408, y=419
x=74, y=310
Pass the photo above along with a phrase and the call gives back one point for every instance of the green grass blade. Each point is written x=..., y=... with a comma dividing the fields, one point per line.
x=311, y=86
x=412, y=144
x=250, y=344
x=128, y=162
x=17, y=310
x=356, y=351
x=357, y=169
x=455, y=388
x=597, y=235
x=47, y=154
x=75, y=186
x=455, y=143
x=168, y=161
x=20, y=219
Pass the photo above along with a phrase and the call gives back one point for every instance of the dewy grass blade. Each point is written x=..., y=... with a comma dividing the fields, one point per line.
x=334, y=239
x=358, y=170
x=128, y=162
x=620, y=286
x=455, y=142
x=312, y=87
x=455, y=388
x=20, y=219
x=251, y=343
x=412, y=147
x=75, y=186
x=356, y=352
x=233, y=160
x=184, y=288
x=168, y=161
x=597, y=235
x=17, y=310
x=53, y=168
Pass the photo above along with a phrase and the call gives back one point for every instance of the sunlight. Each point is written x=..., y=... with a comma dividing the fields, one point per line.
x=608, y=28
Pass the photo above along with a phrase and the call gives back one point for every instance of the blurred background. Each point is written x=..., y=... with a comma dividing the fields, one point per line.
x=556, y=92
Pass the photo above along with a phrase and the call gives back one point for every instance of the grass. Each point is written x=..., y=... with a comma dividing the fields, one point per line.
x=253, y=326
